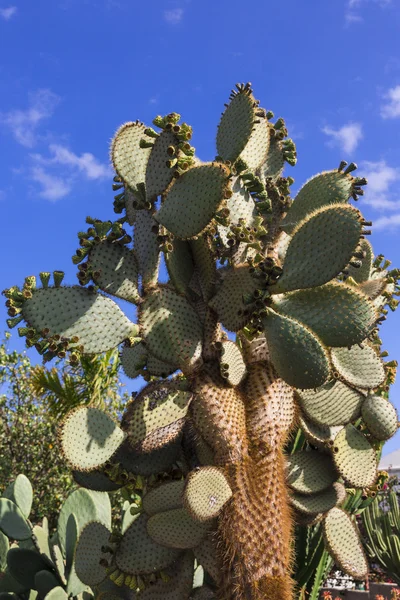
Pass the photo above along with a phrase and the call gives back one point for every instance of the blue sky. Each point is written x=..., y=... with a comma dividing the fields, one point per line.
x=71, y=71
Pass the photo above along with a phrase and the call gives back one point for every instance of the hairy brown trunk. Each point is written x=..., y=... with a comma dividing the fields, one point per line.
x=247, y=429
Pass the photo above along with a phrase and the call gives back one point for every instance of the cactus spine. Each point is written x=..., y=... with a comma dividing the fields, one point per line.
x=297, y=282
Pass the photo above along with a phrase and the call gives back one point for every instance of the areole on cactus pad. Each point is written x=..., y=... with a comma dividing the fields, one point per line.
x=203, y=454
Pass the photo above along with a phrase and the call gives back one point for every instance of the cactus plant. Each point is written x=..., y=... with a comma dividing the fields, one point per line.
x=298, y=284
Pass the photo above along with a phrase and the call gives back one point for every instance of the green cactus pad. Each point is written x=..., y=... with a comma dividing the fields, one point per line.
x=233, y=367
x=158, y=174
x=171, y=328
x=134, y=359
x=275, y=161
x=89, y=437
x=57, y=593
x=12, y=521
x=343, y=543
x=128, y=158
x=206, y=555
x=77, y=312
x=296, y=353
x=177, y=584
x=373, y=288
x=158, y=368
x=338, y=314
x=58, y=562
x=328, y=187
x=130, y=204
x=360, y=367
x=310, y=472
x=163, y=497
x=320, y=248
x=40, y=538
x=205, y=265
x=23, y=564
x=183, y=217
x=206, y=492
x=228, y=302
x=94, y=536
x=147, y=247
x=320, y=436
x=21, y=493
x=354, y=457
x=363, y=273
x=176, y=529
x=332, y=404
x=241, y=205
x=150, y=463
x=138, y=553
x=319, y=503
x=95, y=480
x=4, y=547
x=87, y=506
x=236, y=125
x=180, y=265
x=117, y=268
x=45, y=581
x=156, y=416
x=380, y=416
x=255, y=152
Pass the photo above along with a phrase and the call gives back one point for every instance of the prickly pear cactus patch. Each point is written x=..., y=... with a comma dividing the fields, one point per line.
x=200, y=452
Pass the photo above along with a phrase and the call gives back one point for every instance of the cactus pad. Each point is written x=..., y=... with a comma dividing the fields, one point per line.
x=115, y=270
x=313, y=257
x=343, y=543
x=147, y=247
x=138, y=554
x=176, y=583
x=206, y=555
x=332, y=404
x=89, y=437
x=320, y=436
x=158, y=174
x=380, y=417
x=96, y=481
x=208, y=184
x=129, y=159
x=77, y=312
x=21, y=493
x=236, y=125
x=360, y=367
x=354, y=457
x=163, y=497
x=206, y=492
x=23, y=564
x=93, y=538
x=338, y=314
x=180, y=265
x=176, y=529
x=149, y=463
x=373, y=288
x=156, y=416
x=363, y=272
x=296, y=353
x=329, y=187
x=171, y=328
x=310, y=472
x=134, y=359
x=228, y=302
x=12, y=521
x=255, y=151
x=319, y=503
x=274, y=163
x=233, y=367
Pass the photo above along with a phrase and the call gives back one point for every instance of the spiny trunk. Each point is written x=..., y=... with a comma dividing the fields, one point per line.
x=247, y=431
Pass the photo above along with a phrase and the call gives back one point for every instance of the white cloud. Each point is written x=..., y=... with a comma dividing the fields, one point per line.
x=378, y=192
x=53, y=187
x=8, y=13
x=173, y=16
x=353, y=6
x=392, y=222
x=86, y=162
x=391, y=109
x=23, y=124
x=346, y=137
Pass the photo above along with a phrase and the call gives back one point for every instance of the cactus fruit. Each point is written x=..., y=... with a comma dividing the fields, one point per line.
x=207, y=448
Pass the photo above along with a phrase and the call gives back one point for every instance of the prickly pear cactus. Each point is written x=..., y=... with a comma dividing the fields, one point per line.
x=269, y=320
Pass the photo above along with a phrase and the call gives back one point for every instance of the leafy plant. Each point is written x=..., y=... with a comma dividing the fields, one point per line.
x=298, y=284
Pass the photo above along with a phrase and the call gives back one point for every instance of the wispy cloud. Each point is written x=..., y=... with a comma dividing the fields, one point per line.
x=52, y=187
x=392, y=222
x=380, y=193
x=173, y=16
x=8, y=13
x=346, y=137
x=391, y=110
x=85, y=163
x=23, y=124
x=355, y=9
